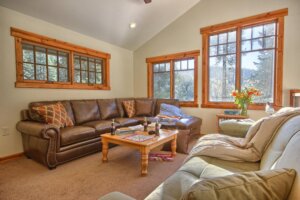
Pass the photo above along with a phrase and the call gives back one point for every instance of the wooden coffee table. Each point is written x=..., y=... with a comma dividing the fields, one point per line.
x=144, y=147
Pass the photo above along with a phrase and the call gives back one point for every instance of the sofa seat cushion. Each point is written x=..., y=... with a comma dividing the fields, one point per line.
x=102, y=126
x=127, y=121
x=191, y=172
x=72, y=135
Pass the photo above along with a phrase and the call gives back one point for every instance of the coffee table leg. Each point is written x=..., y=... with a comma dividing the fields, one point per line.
x=104, y=150
x=144, y=161
x=173, y=146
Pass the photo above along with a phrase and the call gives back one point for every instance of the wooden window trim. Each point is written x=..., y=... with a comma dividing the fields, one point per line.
x=171, y=58
x=277, y=16
x=22, y=36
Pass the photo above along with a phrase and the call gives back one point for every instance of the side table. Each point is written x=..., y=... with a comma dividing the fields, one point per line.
x=221, y=117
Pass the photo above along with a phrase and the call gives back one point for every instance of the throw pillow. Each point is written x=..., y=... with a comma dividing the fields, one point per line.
x=144, y=107
x=262, y=185
x=54, y=114
x=108, y=108
x=129, y=108
x=170, y=111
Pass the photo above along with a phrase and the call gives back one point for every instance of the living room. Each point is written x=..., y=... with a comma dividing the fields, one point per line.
x=169, y=29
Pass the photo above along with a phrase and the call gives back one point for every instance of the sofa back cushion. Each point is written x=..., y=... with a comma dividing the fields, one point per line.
x=85, y=111
x=144, y=107
x=36, y=117
x=174, y=102
x=108, y=108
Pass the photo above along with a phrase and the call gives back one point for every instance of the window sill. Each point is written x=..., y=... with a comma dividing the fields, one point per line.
x=60, y=86
x=189, y=104
x=234, y=106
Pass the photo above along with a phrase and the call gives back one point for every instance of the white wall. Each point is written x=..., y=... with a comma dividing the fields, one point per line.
x=184, y=35
x=13, y=100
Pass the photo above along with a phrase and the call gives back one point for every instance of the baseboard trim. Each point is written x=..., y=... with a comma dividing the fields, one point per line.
x=10, y=157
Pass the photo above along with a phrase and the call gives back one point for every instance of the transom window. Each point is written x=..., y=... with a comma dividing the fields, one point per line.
x=174, y=76
x=88, y=70
x=43, y=62
x=243, y=53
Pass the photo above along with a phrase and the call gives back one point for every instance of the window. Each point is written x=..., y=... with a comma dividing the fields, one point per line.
x=44, y=64
x=174, y=76
x=88, y=70
x=48, y=63
x=243, y=53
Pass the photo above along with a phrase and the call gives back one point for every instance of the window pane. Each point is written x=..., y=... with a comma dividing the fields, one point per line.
x=63, y=59
x=221, y=78
x=184, y=85
x=41, y=72
x=84, y=77
x=258, y=71
x=213, y=50
x=92, y=78
x=27, y=53
x=269, y=42
x=191, y=63
x=156, y=67
x=246, y=33
x=257, y=44
x=161, y=85
x=98, y=78
x=213, y=40
x=167, y=67
x=63, y=75
x=269, y=29
x=28, y=71
x=98, y=67
x=83, y=63
x=246, y=45
x=91, y=66
x=232, y=36
x=52, y=57
x=222, y=38
x=257, y=31
x=52, y=73
x=40, y=55
x=162, y=67
x=222, y=49
x=231, y=48
x=77, y=76
x=76, y=62
x=184, y=65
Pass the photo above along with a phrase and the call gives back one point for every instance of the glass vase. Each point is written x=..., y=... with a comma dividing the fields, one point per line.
x=243, y=109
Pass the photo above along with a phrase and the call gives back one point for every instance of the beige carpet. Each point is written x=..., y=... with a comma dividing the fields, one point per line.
x=86, y=178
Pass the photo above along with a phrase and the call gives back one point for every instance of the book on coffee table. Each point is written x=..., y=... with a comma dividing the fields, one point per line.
x=139, y=137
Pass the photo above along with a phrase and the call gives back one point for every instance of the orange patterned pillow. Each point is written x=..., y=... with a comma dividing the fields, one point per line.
x=54, y=114
x=129, y=108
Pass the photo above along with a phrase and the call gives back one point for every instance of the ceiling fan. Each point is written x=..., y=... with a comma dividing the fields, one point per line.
x=147, y=1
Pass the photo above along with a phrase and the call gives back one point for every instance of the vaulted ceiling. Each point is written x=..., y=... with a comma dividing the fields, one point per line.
x=107, y=20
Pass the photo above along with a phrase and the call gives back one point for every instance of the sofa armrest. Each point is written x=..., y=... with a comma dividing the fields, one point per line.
x=37, y=129
x=40, y=141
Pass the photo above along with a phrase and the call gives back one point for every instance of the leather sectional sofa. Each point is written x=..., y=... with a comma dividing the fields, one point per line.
x=52, y=146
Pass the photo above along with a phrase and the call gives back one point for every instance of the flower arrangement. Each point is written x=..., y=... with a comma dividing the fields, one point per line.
x=244, y=97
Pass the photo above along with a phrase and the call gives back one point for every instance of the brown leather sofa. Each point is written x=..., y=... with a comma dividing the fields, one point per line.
x=52, y=146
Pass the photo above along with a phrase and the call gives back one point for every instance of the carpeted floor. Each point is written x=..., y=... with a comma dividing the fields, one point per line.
x=86, y=178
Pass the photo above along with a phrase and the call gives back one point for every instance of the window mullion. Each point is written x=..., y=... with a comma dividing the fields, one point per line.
x=238, y=59
x=172, y=82
x=71, y=75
